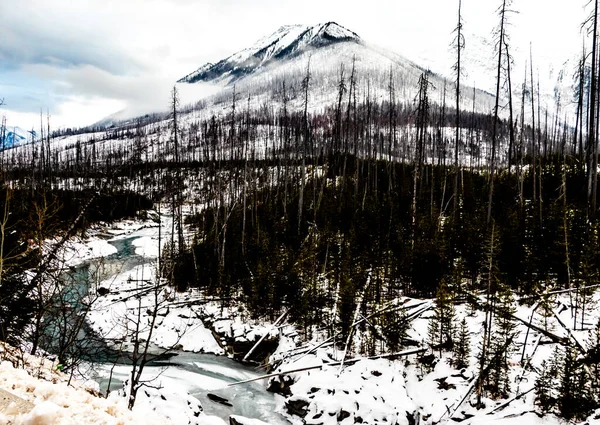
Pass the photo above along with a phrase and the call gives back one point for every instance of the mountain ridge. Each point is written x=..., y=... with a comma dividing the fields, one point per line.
x=285, y=43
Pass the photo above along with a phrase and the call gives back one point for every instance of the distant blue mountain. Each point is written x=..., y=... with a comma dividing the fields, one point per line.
x=16, y=136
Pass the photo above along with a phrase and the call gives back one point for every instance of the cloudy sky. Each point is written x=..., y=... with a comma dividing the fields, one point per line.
x=86, y=59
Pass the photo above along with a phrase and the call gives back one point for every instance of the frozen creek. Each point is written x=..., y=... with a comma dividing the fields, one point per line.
x=194, y=373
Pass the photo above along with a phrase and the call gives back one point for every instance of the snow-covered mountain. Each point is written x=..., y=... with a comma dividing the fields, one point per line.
x=15, y=136
x=283, y=57
x=287, y=42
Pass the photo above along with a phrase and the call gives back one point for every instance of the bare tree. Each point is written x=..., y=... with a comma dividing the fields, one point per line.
x=592, y=149
x=501, y=43
x=177, y=191
x=459, y=45
x=305, y=125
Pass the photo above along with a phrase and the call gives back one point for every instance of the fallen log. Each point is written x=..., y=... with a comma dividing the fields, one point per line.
x=518, y=396
x=392, y=308
x=569, y=332
x=219, y=399
x=558, y=291
x=350, y=361
x=553, y=337
x=249, y=353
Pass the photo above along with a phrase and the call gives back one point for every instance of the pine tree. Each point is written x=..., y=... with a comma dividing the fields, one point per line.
x=593, y=360
x=545, y=310
x=567, y=397
x=486, y=353
x=394, y=328
x=589, y=277
x=440, y=333
x=585, y=399
x=501, y=343
x=543, y=390
x=462, y=347
x=501, y=44
x=575, y=399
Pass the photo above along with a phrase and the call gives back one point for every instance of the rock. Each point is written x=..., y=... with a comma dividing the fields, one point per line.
x=413, y=418
x=428, y=360
x=102, y=291
x=280, y=385
x=241, y=346
x=342, y=415
x=240, y=420
x=219, y=399
x=297, y=407
x=443, y=385
x=464, y=418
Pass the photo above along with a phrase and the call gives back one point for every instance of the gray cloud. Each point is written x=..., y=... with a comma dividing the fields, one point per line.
x=33, y=34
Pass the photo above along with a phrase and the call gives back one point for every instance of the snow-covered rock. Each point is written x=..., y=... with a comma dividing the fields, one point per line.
x=369, y=391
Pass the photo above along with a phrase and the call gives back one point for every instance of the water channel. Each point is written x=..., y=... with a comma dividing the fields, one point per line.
x=200, y=374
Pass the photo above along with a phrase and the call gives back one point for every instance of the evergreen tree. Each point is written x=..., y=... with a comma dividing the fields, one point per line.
x=574, y=399
x=544, y=390
x=501, y=346
x=394, y=328
x=545, y=310
x=462, y=347
x=592, y=359
x=440, y=332
x=586, y=402
x=584, y=301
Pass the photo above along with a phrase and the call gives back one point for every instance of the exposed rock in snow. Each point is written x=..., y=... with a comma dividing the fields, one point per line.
x=240, y=420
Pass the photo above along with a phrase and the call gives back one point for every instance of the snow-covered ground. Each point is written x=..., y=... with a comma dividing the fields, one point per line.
x=428, y=390
x=49, y=400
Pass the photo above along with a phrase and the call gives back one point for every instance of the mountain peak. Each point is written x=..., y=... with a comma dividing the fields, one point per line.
x=335, y=31
x=287, y=42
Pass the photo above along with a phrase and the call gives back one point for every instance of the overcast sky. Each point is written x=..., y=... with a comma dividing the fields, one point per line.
x=86, y=59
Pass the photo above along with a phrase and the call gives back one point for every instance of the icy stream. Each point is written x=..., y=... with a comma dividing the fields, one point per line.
x=200, y=374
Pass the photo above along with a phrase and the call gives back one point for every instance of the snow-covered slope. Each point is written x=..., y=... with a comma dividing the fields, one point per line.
x=41, y=395
x=285, y=43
